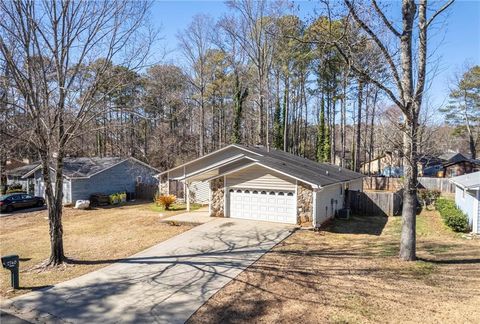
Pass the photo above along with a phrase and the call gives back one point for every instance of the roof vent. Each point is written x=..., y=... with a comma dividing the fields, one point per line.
x=326, y=172
x=339, y=169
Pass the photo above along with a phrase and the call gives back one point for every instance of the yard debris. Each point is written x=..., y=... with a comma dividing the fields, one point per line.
x=82, y=204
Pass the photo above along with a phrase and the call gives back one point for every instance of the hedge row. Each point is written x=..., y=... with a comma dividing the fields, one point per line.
x=451, y=215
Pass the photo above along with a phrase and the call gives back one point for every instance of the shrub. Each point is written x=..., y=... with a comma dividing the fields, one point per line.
x=116, y=198
x=428, y=197
x=451, y=215
x=10, y=190
x=166, y=200
x=14, y=188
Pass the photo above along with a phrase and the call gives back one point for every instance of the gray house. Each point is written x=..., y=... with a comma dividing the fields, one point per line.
x=267, y=185
x=84, y=176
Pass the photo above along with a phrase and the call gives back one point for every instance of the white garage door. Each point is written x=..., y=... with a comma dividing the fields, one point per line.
x=265, y=205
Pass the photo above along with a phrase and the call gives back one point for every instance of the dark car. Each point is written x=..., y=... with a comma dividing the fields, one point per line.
x=10, y=202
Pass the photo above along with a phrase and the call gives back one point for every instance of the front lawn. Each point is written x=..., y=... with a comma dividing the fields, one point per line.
x=92, y=239
x=350, y=273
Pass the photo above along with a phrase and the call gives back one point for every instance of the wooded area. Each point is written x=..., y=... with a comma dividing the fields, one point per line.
x=258, y=76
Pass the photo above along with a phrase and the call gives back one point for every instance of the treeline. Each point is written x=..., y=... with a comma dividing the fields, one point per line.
x=256, y=76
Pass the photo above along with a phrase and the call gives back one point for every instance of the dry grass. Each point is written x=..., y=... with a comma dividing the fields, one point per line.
x=350, y=274
x=101, y=235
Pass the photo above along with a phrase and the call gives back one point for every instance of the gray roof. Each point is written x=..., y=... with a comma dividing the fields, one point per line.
x=453, y=157
x=304, y=169
x=84, y=167
x=469, y=180
x=20, y=171
x=88, y=166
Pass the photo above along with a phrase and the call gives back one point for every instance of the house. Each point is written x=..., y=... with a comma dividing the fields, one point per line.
x=467, y=197
x=84, y=176
x=16, y=176
x=458, y=164
x=387, y=161
x=429, y=165
x=275, y=186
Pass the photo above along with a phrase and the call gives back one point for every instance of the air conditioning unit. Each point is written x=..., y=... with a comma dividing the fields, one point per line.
x=343, y=213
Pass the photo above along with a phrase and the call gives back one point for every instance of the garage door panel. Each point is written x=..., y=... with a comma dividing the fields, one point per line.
x=267, y=205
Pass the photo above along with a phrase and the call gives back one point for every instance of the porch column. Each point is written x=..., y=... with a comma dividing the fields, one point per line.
x=187, y=185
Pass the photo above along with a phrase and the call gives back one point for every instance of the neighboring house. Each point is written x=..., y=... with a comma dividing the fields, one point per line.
x=387, y=161
x=467, y=197
x=17, y=176
x=85, y=176
x=459, y=164
x=452, y=157
x=275, y=186
x=429, y=165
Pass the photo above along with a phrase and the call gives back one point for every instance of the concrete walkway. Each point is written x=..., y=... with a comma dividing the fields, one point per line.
x=164, y=284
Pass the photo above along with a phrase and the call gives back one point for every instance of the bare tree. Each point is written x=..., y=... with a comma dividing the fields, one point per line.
x=407, y=69
x=46, y=46
x=195, y=43
x=251, y=31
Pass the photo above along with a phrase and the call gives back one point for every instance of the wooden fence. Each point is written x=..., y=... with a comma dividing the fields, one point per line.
x=145, y=191
x=382, y=183
x=376, y=203
x=395, y=184
x=442, y=184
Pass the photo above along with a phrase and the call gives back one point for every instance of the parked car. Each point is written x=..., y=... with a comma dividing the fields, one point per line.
x=10, y=202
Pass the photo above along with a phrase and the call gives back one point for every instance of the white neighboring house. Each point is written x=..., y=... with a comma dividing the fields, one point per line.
x=467, y=197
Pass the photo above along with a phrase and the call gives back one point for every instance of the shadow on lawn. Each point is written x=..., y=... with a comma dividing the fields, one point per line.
x=369, y=225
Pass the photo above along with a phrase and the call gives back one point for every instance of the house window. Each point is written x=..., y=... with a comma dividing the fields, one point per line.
x=139, y=179
x=341, y=190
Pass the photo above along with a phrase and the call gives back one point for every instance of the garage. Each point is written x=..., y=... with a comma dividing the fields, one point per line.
x=264, y=205
x=254, y=183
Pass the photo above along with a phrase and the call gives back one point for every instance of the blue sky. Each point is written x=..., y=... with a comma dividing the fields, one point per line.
x=457, y=42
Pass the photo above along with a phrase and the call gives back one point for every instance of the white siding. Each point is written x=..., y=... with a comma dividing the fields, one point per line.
x=329, y=200
x=258, y=177
x=332, y=198
x=201, y=191
x=478, y=212
x=466, y=201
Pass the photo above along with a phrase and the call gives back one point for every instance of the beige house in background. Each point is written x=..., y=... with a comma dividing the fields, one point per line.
x=377, y=165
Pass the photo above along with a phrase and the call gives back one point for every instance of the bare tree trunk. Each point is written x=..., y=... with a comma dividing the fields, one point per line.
x=359, y=125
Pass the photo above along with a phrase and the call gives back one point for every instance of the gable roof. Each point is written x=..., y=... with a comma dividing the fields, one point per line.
x=86, y=167
x=468, y=181
x=21, y=171
x=302, y=169
x=453, y=157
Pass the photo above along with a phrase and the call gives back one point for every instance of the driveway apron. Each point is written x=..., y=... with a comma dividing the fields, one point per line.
x=166, y=283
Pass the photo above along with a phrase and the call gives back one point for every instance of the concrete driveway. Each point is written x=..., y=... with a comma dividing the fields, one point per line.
x=165, y=284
